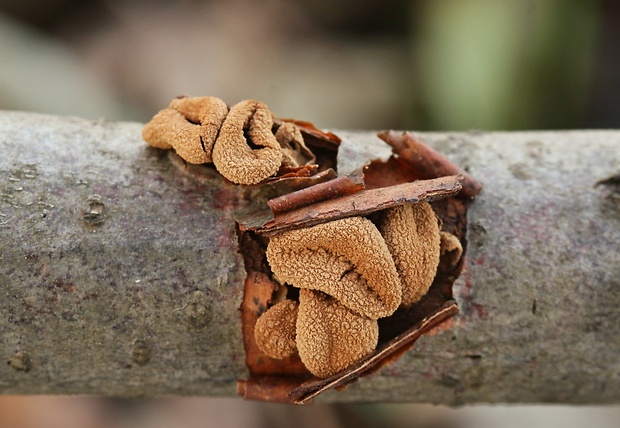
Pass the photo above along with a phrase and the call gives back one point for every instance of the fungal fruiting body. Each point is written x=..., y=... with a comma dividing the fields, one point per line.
x=411, y=233
x=330, y=336
x=350, y=273
x=347, y=259
x=275, y=329
x=240, y=142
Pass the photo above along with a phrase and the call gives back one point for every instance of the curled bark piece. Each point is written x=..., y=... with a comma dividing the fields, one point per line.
x=330, y=337
x=294, y=150
x=347, y=259
x=411, y=233
x=275, y=330
x=426, y=161
x=335, y=188
x=233, y=156
x=209, y=112
x=451, y=249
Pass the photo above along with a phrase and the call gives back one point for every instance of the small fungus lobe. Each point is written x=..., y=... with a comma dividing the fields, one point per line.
x=450, y=248
x=347, y=259
x=189, y=126
x=330, y=337
x=294, y=150
x=411, y=233
x=275, y=329
x=233, y=156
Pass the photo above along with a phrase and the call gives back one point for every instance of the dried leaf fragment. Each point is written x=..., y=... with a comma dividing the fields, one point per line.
x=347, y=259
x=330, y=337
x=411, y=233
x=232, y=155
x=275, y=329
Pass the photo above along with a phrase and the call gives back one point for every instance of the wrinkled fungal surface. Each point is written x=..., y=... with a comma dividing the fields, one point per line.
x=411, y=233
x=170, y=129
x=243, y=143
x=331, y=337
x=347, y=259
x=275, y=329
x=209, y=113
x=232, y=155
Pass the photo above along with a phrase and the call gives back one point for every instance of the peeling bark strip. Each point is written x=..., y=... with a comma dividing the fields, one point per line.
x=362, y=203
x=83, y=304
x=337, y=187
x=427, y=162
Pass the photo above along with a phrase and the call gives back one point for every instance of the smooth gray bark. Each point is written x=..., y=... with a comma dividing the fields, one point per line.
x=120, y=275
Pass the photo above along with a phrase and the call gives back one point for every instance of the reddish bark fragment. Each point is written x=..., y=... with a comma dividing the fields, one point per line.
x=426, y=161
x=340, y=186
x=362, y=203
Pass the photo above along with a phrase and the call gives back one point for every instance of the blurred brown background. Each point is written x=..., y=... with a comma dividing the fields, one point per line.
x=423, y=64
x=408, y=64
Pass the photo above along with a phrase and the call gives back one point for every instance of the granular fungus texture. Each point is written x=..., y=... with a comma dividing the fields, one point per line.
x=189, y=126
x=170, y=129
x=331, y=337
x=233, y=156
x=275, y=329
x=209, y=112
x=347, y=259
x=411, y=233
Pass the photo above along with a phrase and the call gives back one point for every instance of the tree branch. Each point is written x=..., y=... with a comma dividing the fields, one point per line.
x=120, y=275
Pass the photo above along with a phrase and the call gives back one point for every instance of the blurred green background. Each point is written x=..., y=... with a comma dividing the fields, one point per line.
x=408, y=64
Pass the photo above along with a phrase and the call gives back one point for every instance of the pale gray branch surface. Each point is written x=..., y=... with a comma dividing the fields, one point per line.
x=119, y=271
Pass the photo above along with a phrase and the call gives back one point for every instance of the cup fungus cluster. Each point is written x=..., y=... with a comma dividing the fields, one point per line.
x=343, y=273
x=351, y=272
x=243, y=142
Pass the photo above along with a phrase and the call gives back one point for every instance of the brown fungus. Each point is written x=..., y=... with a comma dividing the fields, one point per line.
x=170, y=129
x=411, y=233
x=451, y=248
x=347, y=259
x=294, y=150
x=189, y=126
x=209, y=112
x=275, y=330
x=330, y=337
x=233, y=153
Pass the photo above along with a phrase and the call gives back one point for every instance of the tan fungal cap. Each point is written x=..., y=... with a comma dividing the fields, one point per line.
x=347, y=259
x=294, y=150
x=209, y=112
x=331, y=337
x=411, y=233
x=189, y=126
x=170, y=129
x=450, y=248
x=233, y=156
x=275, y=330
